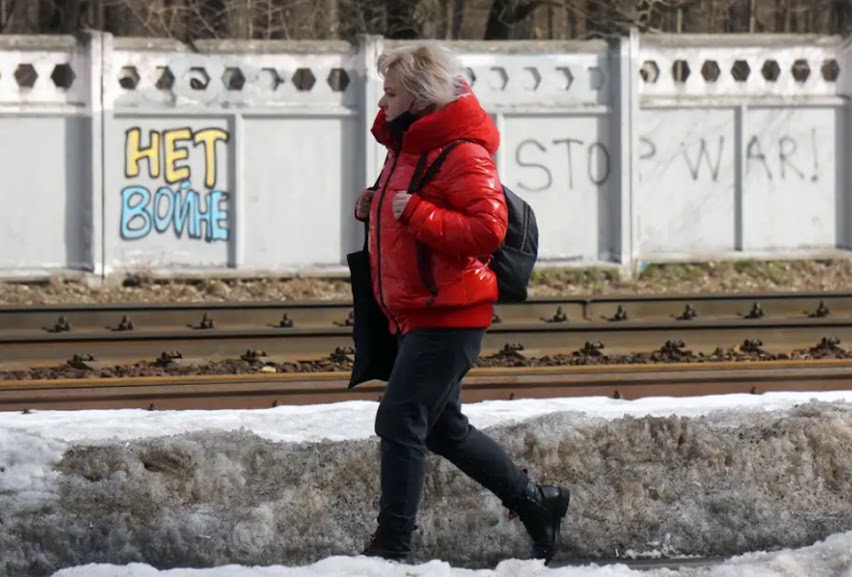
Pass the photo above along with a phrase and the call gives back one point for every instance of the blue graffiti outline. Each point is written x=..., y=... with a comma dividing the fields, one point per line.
x=184, y=213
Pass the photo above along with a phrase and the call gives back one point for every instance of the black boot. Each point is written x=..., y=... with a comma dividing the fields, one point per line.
x=541, y=509
x=391, y=541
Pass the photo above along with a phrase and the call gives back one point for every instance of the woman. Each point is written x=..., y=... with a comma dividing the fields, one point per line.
x=438, y=294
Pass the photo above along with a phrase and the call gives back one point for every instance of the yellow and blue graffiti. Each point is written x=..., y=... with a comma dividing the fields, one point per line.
x=175, y=205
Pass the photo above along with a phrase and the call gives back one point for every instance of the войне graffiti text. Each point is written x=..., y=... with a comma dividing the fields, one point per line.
x=176, y=205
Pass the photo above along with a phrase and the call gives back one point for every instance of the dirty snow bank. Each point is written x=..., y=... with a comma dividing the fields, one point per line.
x=292, y=485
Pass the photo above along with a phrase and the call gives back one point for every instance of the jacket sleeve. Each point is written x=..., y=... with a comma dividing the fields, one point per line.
x=475, y=218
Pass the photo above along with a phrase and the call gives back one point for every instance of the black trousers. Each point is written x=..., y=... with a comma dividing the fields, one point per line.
x=421, y=410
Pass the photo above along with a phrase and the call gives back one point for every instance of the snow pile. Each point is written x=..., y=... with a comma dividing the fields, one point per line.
x=199, y=489
x=829, y=558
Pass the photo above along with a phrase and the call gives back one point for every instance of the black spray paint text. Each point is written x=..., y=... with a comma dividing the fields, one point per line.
x=590, y=162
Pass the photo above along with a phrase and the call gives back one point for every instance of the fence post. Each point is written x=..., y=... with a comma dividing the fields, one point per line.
x=845, y=142
x=369, y=48
x=626, y=111
x=99, y=50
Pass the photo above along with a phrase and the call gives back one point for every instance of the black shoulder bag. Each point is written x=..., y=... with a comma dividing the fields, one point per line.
x=375, y=346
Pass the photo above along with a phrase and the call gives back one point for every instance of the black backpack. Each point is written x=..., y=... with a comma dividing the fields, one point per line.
x=514, y=260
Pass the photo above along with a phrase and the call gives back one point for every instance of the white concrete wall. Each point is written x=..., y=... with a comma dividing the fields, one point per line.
x=741, y=165
x=262, y=146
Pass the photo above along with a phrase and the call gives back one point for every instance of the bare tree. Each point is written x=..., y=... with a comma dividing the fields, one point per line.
x=506, y=14
x=19, y=17
x=189, y=20
x=841, y=15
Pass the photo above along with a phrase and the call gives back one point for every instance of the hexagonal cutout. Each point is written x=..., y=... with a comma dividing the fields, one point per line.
x=532, y=78
x=471, y=77
x=566, y=73
x=63, y=76
x=165, y=80
x=680, y=71
x=304, y=79
x=26, y=75
x=740, y=70
x=770, y=70
x=338, y=79
x=800, y=70
x=128, y=77
x=233, y=78
x=596, y=78
x=498, y=78
x=198, y=78
x=830, y=70
x=710, y=71
x=649, y=71
x=269, y=79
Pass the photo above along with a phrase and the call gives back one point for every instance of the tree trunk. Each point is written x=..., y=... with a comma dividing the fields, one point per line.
x=738, y=17
x=136, y=18
x=332, y=19
x=240, y=21
x=22, y=17
x=72, y=17
x=571, y=23
x=840, y=10
x=458, y=18
x=401, y=23
x=752, y=16
x=95, y=14
x=498, y=26
x=596, y=17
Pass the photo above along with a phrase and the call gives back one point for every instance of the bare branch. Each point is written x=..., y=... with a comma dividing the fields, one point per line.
x=188, y=20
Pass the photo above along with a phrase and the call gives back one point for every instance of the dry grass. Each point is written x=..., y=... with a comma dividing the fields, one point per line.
x=709, y=277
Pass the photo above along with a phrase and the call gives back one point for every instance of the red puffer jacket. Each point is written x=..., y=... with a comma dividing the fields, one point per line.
x=459, y=215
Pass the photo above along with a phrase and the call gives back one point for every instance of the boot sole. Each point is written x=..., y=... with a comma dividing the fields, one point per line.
x=563, y=501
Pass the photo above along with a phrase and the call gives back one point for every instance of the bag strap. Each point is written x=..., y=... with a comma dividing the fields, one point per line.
x=414, y=186
x=418, y=182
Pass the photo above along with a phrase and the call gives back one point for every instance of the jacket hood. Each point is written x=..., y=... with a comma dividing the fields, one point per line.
x=462, y=118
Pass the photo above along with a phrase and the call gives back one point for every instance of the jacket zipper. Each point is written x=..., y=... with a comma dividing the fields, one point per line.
x=379, y=242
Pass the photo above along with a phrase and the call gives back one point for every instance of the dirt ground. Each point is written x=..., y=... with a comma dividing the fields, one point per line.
x=709, y=277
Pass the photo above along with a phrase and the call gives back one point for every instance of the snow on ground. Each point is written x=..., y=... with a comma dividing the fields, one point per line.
x=253, y=491
x=829, y=558
x=354, y=419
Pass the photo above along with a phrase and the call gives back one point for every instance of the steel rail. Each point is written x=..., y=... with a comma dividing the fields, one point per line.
x=120, y=333
x=20, y=348
x=311, y=313
x=263, y=390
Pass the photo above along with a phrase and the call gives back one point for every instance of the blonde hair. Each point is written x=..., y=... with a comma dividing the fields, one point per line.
x=431, y=73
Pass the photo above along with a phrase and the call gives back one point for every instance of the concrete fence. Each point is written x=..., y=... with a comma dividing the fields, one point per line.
x=245, y=158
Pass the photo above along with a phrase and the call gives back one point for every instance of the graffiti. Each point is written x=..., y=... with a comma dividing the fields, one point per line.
x=782, y=158
x=174, y=205
x=703, y=153
x=593, y=159
x=790, y=161
x=648, y=148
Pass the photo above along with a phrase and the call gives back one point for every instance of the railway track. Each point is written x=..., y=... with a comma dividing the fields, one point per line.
x=264, y=390
x=118, y=333
x=252, y=355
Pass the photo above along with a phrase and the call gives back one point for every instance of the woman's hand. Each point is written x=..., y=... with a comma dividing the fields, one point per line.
x=400, y=200
x=362, y=205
